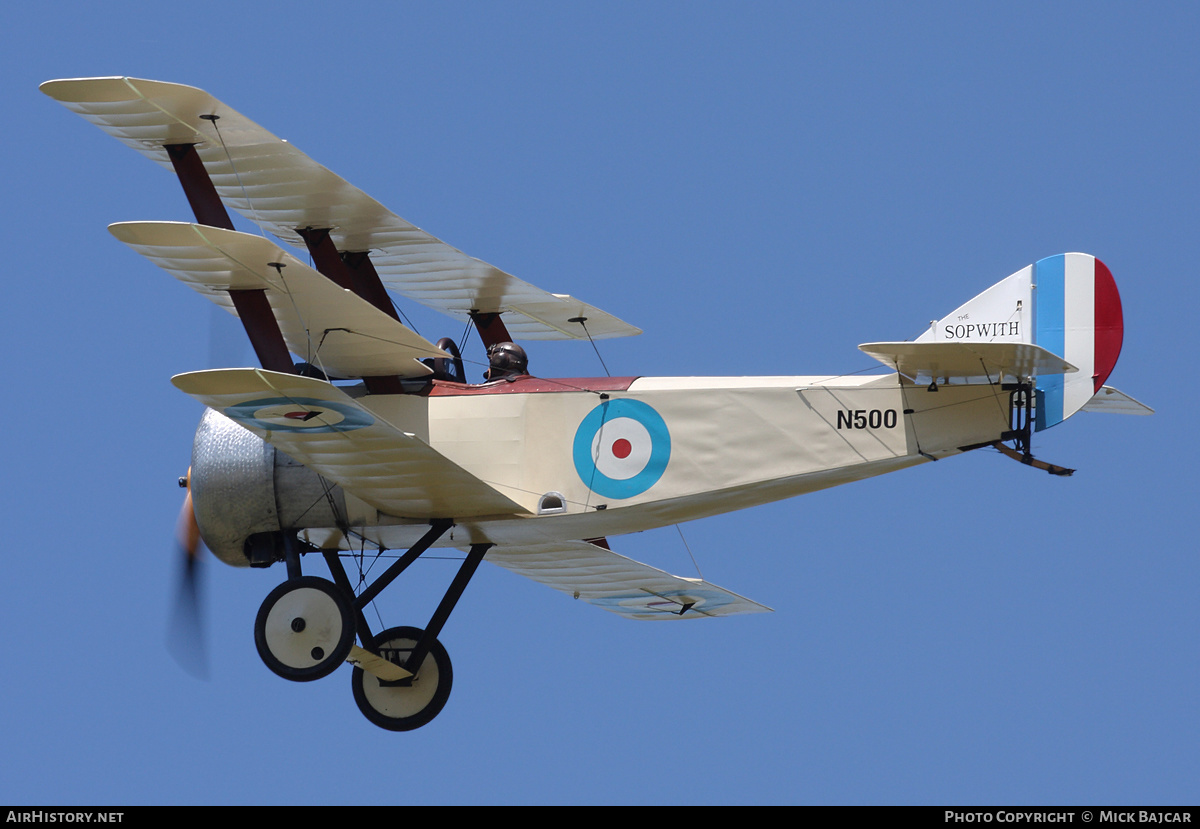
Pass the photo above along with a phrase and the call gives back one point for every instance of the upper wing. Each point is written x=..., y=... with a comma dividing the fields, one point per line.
x=618, y=584
x=280, y=188
x=328, y=431
x=332, y=328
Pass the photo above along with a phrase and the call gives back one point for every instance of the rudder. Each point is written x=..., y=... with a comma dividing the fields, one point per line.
x=1077, y=314
x=1067, y=304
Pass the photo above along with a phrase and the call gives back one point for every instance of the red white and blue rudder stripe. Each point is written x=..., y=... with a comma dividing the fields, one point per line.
x=1076, y=315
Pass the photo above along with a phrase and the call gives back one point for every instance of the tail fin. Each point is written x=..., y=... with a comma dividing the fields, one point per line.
x=1067, y=304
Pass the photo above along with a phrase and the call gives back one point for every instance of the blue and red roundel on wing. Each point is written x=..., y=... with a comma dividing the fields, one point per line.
x=298, y=414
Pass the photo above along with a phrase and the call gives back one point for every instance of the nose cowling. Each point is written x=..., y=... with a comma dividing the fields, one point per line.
x=241, y=487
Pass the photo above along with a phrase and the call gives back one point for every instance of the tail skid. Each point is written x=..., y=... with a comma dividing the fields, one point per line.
x=1030, y=460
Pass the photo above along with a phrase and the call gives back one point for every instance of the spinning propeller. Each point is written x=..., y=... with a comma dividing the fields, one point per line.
x=186, y=637
x=227, y=346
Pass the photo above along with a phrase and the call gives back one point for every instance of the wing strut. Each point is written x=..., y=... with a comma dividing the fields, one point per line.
x=197, y=186
x=252, y=306
x=357, y=275
x=491, y=328
x=262, y=328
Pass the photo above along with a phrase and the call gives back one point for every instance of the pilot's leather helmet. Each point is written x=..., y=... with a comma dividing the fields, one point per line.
x=506, y=360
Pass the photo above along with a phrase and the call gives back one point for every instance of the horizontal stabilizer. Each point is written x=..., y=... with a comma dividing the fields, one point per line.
x=1112, y=401
x=278, y=187
x=968, y=360
x=330, y=327
x=331, y=433
x=618, y=584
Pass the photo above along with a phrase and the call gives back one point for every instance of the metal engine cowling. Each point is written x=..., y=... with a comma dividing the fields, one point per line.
x=243, y=488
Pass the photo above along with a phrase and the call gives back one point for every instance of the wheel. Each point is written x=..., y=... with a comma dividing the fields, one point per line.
x=304, y=629
x=404, y=707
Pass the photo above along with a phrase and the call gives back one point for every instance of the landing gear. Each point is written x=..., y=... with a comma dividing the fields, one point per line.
x=404, y=704
x=307, y=626
x=304, y=629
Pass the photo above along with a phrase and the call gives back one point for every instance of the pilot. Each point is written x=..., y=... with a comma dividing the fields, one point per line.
x=506, y=360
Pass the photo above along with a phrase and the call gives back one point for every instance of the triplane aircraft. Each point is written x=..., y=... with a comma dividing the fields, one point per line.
x=375, y=440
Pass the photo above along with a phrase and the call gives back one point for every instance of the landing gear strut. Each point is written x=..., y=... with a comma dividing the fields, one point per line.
x=409, y=702
x=307, y=626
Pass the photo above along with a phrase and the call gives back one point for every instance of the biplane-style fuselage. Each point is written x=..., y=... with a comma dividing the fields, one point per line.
x=690, y=446
x=372, y=442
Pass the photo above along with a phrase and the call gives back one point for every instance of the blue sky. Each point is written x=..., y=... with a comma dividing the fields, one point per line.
x=761, y=187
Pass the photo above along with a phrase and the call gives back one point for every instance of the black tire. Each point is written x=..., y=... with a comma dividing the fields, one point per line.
x=403, y=708
x=304, y=629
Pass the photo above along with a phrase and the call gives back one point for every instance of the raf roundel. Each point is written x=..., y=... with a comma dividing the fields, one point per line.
x=621, y=448
x=298, y=414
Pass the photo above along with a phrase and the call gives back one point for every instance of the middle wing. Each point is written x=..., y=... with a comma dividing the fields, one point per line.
x=329, y=432
x=618, y=584
x=330, y=327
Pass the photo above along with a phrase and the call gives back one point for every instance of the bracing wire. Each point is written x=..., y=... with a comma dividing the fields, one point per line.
x=583, y=322
x=679, y=530
x=212, y=119
x=462, y=342
x=312, y=356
